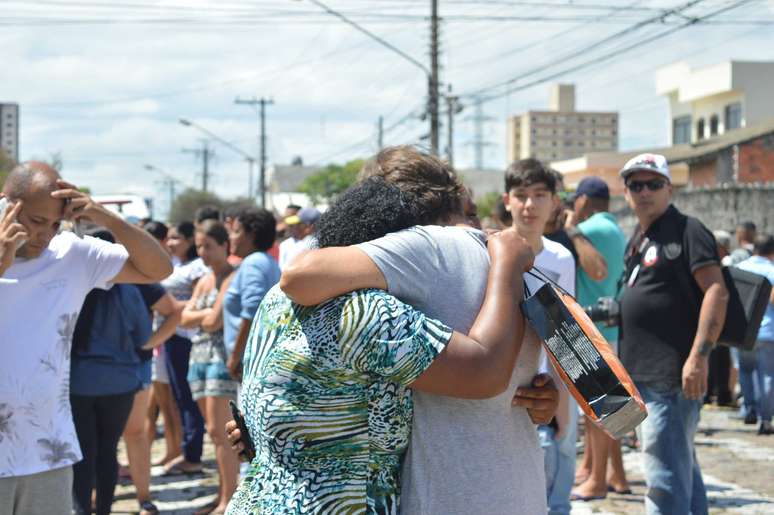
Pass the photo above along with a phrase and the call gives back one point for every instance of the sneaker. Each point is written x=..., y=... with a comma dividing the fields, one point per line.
x=751, y=418
x=765, y=429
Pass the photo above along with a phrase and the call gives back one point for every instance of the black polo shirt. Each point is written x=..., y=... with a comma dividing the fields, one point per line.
x=661, y=300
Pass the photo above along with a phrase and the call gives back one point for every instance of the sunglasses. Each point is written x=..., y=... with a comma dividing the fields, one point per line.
x=652, y=185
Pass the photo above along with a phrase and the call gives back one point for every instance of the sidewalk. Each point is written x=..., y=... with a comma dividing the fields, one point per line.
x=737, y=464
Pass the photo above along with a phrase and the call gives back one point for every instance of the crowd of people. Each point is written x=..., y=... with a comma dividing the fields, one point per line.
x=376, y=350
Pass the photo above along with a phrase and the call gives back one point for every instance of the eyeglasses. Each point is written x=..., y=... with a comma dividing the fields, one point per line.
x=652, y=185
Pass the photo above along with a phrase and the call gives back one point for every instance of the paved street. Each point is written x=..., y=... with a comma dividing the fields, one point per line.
x=738, y=468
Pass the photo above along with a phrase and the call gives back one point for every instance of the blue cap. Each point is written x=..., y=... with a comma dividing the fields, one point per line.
x=593, y=187
x=309, y=215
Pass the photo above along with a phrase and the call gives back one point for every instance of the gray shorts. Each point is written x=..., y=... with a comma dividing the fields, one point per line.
x=44, y=493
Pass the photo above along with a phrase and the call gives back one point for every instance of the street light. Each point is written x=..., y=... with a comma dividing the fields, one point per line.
x=250, y=159
x=431, y=73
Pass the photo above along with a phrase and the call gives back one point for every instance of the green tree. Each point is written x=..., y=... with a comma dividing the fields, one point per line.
x=186, y=203
x=487, y=202
x=325, y=184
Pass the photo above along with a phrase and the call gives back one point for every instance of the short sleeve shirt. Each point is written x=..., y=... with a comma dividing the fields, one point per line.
x=661, y=300
x=257, y=273
x=41, y=299
x=326, y=402
x=604, y=234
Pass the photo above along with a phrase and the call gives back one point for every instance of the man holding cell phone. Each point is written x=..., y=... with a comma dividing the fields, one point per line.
x=44, y=278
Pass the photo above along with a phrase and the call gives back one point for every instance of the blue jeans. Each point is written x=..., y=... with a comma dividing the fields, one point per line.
x=559, y=460
x=764, y=354
x=177, y=351
x=746, y=363
x=675, y=485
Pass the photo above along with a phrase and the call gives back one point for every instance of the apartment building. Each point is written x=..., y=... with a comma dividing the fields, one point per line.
x=561, y=132
x=712, y=100
x=9, y=129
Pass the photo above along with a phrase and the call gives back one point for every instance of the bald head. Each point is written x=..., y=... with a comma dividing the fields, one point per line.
x=30, y=178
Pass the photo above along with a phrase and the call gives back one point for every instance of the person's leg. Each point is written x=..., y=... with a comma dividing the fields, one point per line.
x=84, y=472
x=217, y=414
x=152, y=412
x=617, y=478
x=765, y=366
x=669, y=459
x=177, y=352
x=45, y=493
x=550, y=456
x=171, y=417
x=559, y=501
x=747, y=382
x=712, y=375
x=587, y=462
x=596, y=484
x=723, y=392
x=138, y=446
x=112, y=414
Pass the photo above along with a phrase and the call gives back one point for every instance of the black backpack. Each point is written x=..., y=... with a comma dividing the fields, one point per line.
x=748, y=296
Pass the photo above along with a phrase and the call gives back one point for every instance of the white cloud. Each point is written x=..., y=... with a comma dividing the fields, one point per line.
x=109, y=96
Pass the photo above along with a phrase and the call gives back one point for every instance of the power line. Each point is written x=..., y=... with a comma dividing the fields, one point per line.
x=605, y=57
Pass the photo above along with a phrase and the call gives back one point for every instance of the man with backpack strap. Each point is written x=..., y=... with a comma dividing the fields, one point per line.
x=667, y=333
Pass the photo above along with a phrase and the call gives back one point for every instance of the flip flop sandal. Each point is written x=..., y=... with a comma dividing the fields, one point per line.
x=148, y=508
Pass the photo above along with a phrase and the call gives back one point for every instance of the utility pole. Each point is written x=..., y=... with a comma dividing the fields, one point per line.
x=205, y=153
x=433, y=79
x=380, y=133
x=453, y=107
x=478, y=119
x=262, y=103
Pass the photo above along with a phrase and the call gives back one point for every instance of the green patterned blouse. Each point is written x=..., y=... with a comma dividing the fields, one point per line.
x=326, y=402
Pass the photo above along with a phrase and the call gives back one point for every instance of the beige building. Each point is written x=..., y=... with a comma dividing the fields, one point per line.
x=9, y=130
x=709, y=101
x=561, y=132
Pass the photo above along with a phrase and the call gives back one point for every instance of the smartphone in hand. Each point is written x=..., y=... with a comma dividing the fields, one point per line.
x=249, y=451
x=5, y=205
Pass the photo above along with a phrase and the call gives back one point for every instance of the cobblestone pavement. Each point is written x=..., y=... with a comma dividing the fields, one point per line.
x=738, y=467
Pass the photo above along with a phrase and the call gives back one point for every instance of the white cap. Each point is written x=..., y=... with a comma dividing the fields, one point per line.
x=655, y=163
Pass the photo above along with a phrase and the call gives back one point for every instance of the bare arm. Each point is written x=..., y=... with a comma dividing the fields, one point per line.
x=319, y=275
x=169, y=308
x=712, y=316
x=234, y=362
x=192, y=317
x=480, y=365
x=148, y=262
x=589, y=258
x=213, y=320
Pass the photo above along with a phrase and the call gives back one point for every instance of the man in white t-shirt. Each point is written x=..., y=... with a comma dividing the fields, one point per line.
x=530, y=196
x=465, y=456
x=44, y=278
x=301, y=227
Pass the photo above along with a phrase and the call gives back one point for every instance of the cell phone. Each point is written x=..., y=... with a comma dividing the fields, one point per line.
x=249, y=451
x=5, y=205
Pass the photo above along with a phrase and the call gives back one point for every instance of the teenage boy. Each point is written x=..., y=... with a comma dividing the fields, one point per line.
x=530, y=197
x=465, y=456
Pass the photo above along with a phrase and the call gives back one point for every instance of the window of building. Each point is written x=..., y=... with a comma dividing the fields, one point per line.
x=700, y=129
x=593, y=120
x=733, y=116
x=681, y=130
x=713, y=125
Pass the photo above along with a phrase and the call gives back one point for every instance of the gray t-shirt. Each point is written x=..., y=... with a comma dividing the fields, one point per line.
x=465, y=456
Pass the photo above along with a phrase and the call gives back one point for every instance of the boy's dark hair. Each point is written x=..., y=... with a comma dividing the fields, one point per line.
x=261, y=224
x=364, y=212
x=296, y=207
x=763, y=245
x=208, y=212
x=748, y=226
x=435, y=188
x=215, y=230
x=157, y=229
x=527, y=172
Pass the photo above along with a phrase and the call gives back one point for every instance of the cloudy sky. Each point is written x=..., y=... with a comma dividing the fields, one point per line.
x=106, y=82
